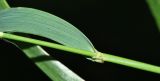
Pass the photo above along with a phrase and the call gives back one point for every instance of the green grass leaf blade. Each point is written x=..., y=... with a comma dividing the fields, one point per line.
x=32, y=21
x=106, y=57
x=155, y=9
x=3, y=4
x=55, y=70
x=50, y=66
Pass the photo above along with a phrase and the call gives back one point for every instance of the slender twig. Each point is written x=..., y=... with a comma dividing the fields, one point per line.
x=105, y=57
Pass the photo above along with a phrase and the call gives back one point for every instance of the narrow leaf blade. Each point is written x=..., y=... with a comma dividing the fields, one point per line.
x=32, y=21
x=155, y=9
x=53, y=68
x=50, y=66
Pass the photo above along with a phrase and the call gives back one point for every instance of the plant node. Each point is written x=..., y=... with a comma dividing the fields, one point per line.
x=97, y=58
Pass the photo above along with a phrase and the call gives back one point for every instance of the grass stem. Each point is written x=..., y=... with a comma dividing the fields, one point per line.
x=106, y=57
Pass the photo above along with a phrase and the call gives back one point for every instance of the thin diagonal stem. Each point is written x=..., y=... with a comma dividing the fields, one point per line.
x=106, y=57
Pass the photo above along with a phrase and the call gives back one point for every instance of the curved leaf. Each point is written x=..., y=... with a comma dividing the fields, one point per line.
x=50, y=66
x=53, y=68
x=32, y=21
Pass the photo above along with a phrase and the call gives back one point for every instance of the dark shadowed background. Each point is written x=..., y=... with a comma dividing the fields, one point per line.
x=120, y=27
